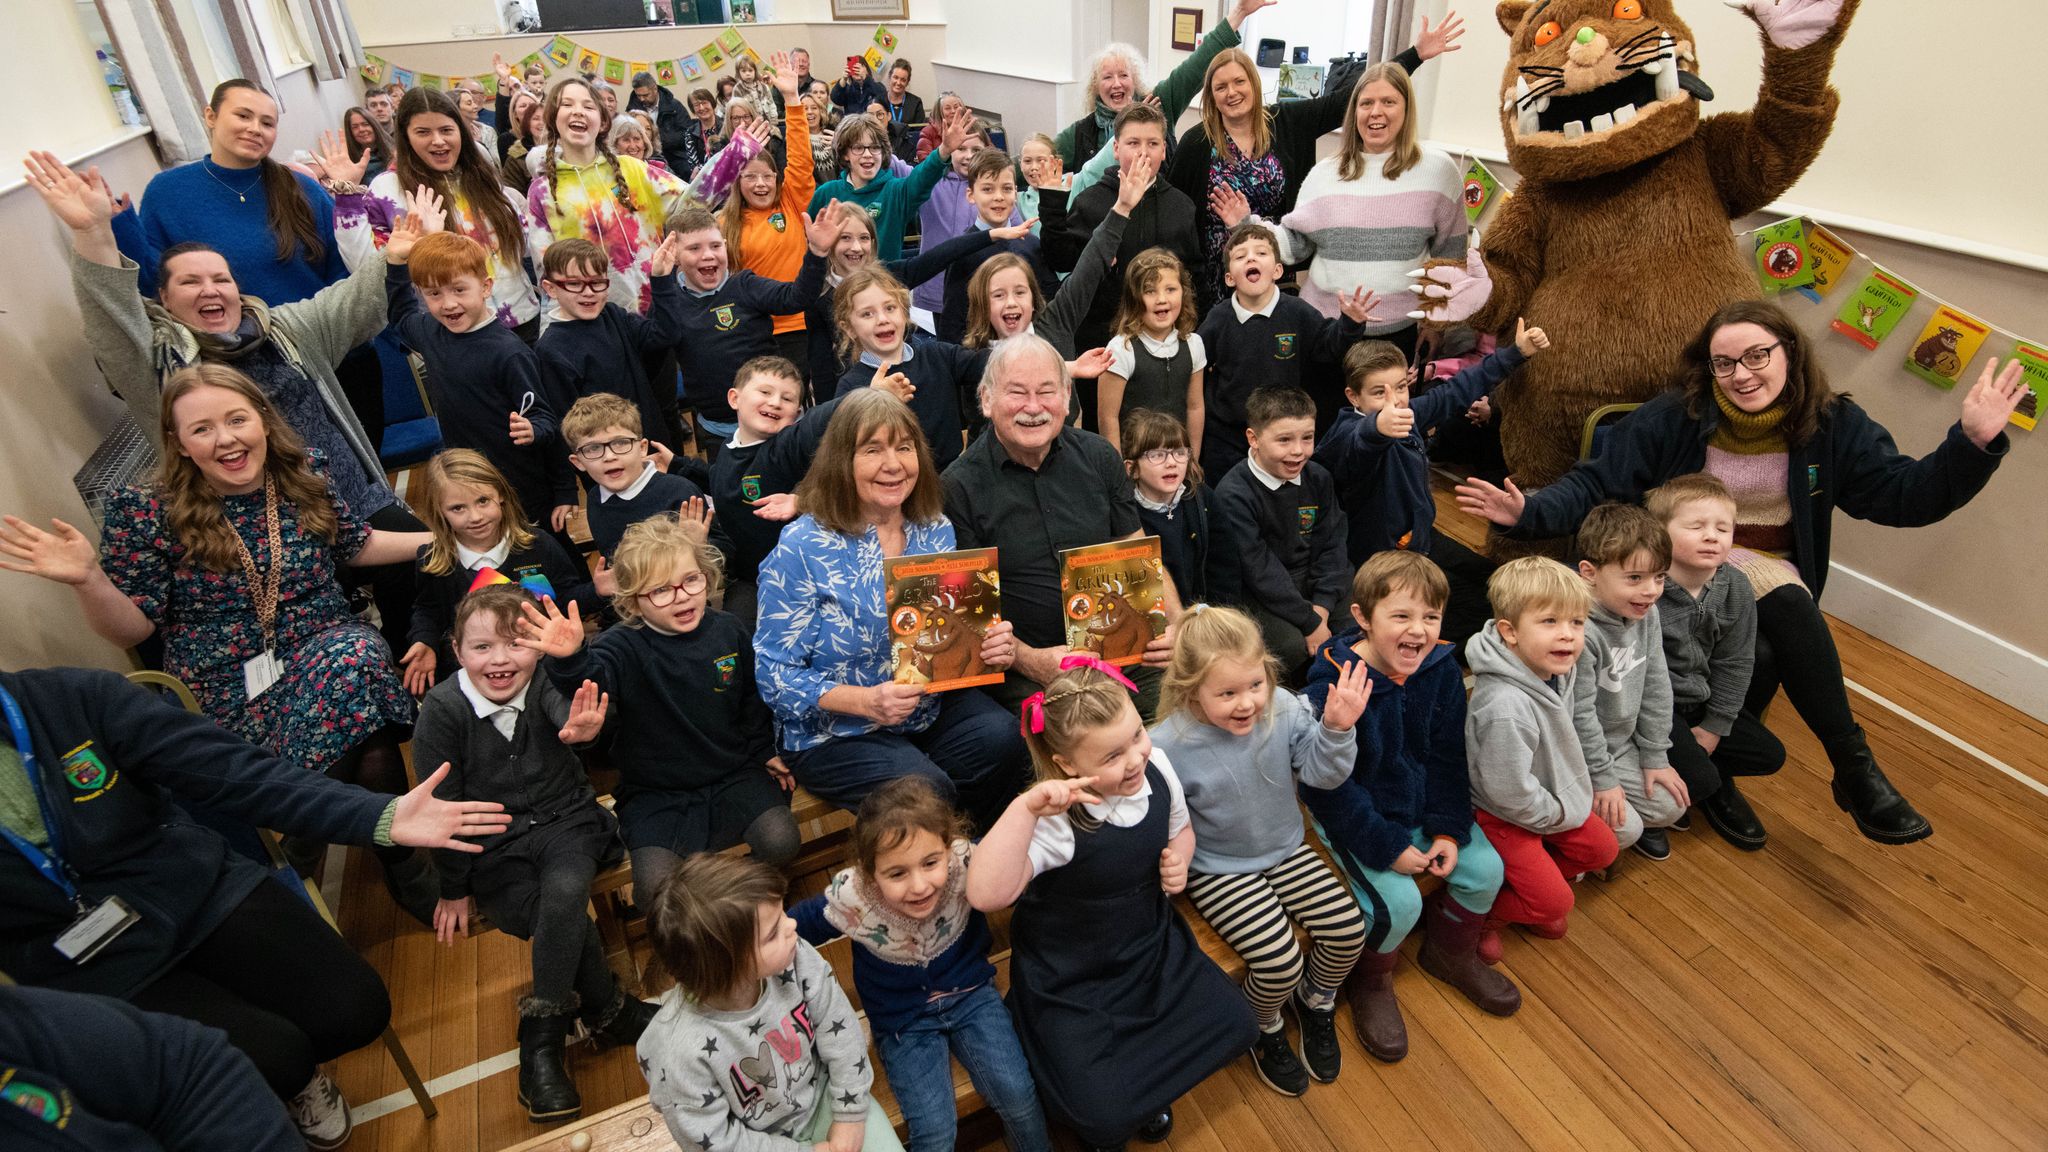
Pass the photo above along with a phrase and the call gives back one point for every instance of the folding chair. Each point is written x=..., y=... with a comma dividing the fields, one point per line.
x=165, y=682
x=1595, y=434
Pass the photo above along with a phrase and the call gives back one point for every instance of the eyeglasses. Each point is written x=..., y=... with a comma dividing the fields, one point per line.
x=666, y=595
x=1756, y=360
x=581, y=287
x=596, y=449
x=876, y=149
x=1157, y=456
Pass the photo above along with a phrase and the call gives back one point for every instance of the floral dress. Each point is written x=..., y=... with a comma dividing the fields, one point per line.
x=337, y=686
x=1263, y=183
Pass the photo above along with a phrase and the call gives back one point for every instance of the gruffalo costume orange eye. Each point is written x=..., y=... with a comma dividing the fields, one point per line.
x=1628, y=9
x=1548, y=32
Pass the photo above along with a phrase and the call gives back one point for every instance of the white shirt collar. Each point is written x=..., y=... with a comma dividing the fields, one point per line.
x=1244, y=314
x=633, y=491
x=981, y=225
x=504, y=717
x=904, y=355
x=739, y=440
x=1150, y=504
x=1271, y=481
x=1111, y=806
x=711, y=291
x=1171, y=345
x=473, y=560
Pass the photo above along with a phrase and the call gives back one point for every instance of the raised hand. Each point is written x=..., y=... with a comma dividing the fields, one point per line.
x=404, y=234
x=663, y=262
x=1791, y=24
x=1242, y=10
x=426, y=204
x=1090, y=365
x=586, y=714
x=1014, y=231
x=1991, y=401
x=894, y=383
x=422, y=821
x=695, y=514
x=503, y=69
x=1357, y=305
x=603, y=579
x=1052, y=175
x=1229, y=205
x=1530, y=340
x=1052, y=797
x=760, y=132
x=1347, y=699
x=550, y=634
x=953, y=132
x=451, y=919
x=1135, y=183
x=780, y=507
x=333, y=156
x=419, y=662
x=1173, y=872
x=80, y=201
x=1431, y=43
x=822, y=232
x=63, y=554
x=783, y=74
x=1451, y=290
x=1494, y=505
x=521, y=429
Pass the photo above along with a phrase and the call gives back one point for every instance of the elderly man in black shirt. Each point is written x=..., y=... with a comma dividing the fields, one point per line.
x=1032, y=486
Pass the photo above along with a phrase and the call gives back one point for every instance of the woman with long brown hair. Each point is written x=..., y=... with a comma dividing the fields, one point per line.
x=366, y=138
x=1752, y=407
x=433, y=152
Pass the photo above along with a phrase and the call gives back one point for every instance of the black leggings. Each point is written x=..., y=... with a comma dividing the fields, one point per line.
x=1749, y=749
x=567, y=954
x=392, y=585
x=1795, y=649
x=285, y=987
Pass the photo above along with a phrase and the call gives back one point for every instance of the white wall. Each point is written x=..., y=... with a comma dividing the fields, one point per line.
x=389, y=22
x=59, y=104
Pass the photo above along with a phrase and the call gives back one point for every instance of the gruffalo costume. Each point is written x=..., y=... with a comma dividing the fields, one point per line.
x=1617, y=240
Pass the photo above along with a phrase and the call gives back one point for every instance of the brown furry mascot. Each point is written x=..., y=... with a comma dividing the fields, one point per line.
x=1617, y=240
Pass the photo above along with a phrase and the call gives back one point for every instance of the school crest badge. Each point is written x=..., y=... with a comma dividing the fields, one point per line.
x=1309, y=514
x=51, y=1107
x=1283, y=346
x=724, y=317
x=1813, y=479
x=779, y=222
x=750, y=488
x=85, y=771
x=728, y=667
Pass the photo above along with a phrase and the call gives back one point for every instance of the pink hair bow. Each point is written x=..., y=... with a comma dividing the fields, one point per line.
x=1034, y=714
x=1089, y=660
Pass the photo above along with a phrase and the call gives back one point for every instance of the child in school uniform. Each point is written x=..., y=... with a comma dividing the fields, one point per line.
x=1263, y=337
x=603, y=435
x=872, y=312
x=755, y=1049
x=920, y=964
x=1156, y=360
x=592, y=345
x=505, y=735
x=1530, y=786
x=1623, y=703
x=1118, y=1009
x=480, y=535
x=1239, y=743
x=1406, y=809
x=1200, y=556
x=694, y=743
x=484, y=381
x=989, y=188
x=1281, y=508
x=1708, y=616
x=856, y=248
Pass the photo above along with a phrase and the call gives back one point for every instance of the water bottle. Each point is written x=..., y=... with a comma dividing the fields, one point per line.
x=117, y=83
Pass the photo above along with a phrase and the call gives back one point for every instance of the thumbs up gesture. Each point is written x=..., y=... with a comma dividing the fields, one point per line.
x=1396, y=423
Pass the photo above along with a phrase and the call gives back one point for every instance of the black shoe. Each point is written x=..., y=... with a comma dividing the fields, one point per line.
x=622, y=1021
x=1320, y=1050
x=1862, y=791
x=1729, y=814
x=1654, y=843
x=545, y=1089
x=1684, y=822
x=1278, y=1066
x=1158, y=1127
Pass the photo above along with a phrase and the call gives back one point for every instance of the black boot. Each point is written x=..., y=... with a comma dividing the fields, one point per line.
x=1862, y=791
x=620, y=1022
x=413, y=884
x=1730, y=814
x=545, y=1089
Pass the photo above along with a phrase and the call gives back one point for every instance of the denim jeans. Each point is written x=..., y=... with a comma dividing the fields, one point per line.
x=971, y=751
x=974, y=1027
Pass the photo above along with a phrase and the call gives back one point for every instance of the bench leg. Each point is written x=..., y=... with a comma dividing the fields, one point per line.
x=411, y=1074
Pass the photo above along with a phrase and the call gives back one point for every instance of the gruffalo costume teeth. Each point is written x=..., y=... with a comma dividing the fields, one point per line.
x=1617, y=241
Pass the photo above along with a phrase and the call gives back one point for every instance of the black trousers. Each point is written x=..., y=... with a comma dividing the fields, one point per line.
x=1795, y=650
x=1749, y=749
x=285, y=987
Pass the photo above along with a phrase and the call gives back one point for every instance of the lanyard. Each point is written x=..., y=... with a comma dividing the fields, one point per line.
x=263, y=587
x=51, y=863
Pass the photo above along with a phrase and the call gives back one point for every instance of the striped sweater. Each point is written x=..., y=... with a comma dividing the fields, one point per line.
x=1371, y=231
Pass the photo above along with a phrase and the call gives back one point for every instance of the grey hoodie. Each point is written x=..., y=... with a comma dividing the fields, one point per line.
x=1622, y=701
x=1521, y=747
x=1710, y=645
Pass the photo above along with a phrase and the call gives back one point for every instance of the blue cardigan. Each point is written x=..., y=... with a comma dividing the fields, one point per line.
x=198, y=201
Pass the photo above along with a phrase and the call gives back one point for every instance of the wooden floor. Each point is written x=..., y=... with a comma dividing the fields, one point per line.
x=1824, y=994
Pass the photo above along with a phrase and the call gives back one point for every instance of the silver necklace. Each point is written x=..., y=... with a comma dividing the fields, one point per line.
x=243, y=195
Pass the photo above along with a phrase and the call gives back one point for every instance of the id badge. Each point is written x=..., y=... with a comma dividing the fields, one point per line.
x=94, y=929
x=259, y=672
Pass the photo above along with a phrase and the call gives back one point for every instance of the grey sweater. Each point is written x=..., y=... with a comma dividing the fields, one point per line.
x=1710, y=645
x=1622, y=701
x=1240, y=789
x=754, y=1081
x=321, y=329
x=1521, y=746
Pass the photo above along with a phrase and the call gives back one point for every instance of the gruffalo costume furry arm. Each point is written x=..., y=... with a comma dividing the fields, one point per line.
x=1617, y=240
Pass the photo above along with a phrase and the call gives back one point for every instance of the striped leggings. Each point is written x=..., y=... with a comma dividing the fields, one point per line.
x=1250, y=910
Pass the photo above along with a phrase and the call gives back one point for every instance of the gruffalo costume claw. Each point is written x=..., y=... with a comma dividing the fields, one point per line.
x=1617, y=241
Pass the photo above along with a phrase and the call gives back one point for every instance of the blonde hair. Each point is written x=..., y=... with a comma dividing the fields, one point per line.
x=1664, y=500
x=1536, y=582
x=646, y=559
x=871, y=275
x=198, y=521
x=469, y=467
x=1077, y=702
x=703, y=923
x=597, y=412
x=1133, y=60
x=1201, y=640
x=1407, y=153
x=1145, y=268
x=1212, y=114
